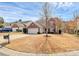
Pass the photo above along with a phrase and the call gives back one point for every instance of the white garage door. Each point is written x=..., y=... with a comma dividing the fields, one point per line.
x=32, y=30
x=14, y=29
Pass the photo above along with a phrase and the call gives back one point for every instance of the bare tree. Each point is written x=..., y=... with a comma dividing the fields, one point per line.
x=76, y=14
x=46, y=15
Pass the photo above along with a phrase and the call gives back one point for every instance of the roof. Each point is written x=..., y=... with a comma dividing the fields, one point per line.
x=29, y=23
x=14, y=25
x=51, y=22
x=20, y=24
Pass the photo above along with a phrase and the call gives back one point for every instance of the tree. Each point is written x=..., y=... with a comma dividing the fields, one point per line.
x=46, y=15
x=76, y=17
x=1, y=22
x=20, y=20
x=1, y=25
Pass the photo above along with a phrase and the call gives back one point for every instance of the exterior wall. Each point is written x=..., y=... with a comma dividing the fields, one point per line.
x=33, y=25
x=55, y=24
x=41, y=30
x=32, y=30
x=51, y=29
x=35, y=30
x=21, y=28
x=14, y=29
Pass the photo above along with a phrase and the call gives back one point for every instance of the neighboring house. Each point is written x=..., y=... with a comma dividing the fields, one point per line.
x=17, y=26
x=33, y=28
x=30, y=27
x=14, y=27
x=54, y=24
x=20, y=26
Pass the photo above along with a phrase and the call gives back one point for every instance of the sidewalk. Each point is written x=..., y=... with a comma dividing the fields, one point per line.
x=9, y=52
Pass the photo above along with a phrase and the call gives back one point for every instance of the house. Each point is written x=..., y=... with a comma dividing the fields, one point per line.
x=33, y=28
x=14, y=27
x=54, y=24
x=17, y=27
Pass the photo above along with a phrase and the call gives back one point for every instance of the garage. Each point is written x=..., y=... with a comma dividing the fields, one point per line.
x=32, y=30
x=14, y=27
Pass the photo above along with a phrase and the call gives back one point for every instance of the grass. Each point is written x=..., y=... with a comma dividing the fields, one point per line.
x=39, y=44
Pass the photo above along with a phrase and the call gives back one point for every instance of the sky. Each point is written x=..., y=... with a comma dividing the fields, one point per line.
x=13, y=11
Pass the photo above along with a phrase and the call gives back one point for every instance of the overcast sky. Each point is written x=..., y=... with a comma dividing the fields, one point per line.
x=12, y=11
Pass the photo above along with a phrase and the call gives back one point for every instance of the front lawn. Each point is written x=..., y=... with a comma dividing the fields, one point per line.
x=38, y=43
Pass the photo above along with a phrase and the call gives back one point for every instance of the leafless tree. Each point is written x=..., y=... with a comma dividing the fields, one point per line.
x=46, y=14
x=75, y=15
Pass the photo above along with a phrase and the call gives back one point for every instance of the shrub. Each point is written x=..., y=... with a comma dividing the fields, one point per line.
x=38, y=32
x=18, y=30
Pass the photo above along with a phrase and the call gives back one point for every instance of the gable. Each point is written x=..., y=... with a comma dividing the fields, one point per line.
x=33, y=25
x=14, y=26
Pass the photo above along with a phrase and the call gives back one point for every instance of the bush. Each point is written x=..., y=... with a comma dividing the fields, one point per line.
x=25, y=30
x=60, y=31
x=77, y=33
x=18, y=30
x=38, y=33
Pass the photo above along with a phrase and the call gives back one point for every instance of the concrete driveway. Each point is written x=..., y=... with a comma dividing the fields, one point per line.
x=12, y=36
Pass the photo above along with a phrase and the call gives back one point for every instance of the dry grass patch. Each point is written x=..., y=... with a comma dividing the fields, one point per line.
x=39, y=44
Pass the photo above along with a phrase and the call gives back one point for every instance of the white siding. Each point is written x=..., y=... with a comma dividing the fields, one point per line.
x=32, y=30
x=14, y=29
